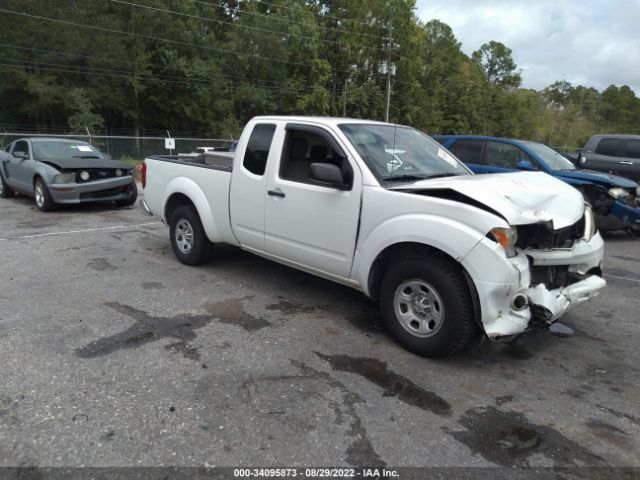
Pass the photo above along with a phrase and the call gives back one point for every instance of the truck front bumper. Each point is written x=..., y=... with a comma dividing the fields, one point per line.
x=515, y=305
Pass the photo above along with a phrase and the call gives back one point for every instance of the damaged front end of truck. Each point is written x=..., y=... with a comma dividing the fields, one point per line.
x=542, y=259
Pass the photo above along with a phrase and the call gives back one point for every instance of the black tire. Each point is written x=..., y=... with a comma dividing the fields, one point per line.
x=133, y=195
x=456, y=326
x=5, y=190
x=200, y=251
x=44, y=203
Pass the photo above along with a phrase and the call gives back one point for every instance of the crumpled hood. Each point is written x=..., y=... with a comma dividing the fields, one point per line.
x=601, y=178
x=521, y=198
x=79, y=163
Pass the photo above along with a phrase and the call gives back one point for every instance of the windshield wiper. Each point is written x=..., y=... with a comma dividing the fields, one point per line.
x=86, y=156
x=442, y=175
x=403, y=178
x=424, y=176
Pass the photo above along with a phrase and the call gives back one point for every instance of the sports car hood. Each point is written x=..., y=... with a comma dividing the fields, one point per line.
x=592, y=176
x=71, y=163
x=521, y=198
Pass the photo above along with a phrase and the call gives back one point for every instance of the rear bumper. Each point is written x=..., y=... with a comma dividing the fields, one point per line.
x=99, y=191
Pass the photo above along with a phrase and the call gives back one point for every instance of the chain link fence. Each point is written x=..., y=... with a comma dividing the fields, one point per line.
x=126, y=147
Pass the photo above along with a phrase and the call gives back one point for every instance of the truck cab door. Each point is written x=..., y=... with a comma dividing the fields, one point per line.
x=310, y=223
x=606, y=157
x=249, y=187
x=630, y=162
x=501, y=157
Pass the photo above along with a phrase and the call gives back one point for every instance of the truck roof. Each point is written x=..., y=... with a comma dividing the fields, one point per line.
x=324, y=120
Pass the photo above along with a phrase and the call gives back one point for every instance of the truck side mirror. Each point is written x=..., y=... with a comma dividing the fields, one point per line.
x=329, y=175
x=526, y=165
x=21, y=155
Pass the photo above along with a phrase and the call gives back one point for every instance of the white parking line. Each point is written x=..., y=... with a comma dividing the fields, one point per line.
x=620, y=277
x=69, y=232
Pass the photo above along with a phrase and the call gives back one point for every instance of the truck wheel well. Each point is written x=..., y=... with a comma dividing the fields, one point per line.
x=405, y=249
x=176, y=200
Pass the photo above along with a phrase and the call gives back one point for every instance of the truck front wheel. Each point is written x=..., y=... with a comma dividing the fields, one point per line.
x=426, y=305
x=188, y=239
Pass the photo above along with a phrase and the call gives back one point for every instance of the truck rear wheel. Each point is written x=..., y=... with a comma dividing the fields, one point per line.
x=188, y=239
x=426, y=305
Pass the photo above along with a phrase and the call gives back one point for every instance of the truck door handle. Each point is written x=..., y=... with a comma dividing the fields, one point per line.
x=626, y=163
x=276, y=193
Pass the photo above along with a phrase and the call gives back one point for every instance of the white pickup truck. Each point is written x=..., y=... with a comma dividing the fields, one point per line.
x=386, y=210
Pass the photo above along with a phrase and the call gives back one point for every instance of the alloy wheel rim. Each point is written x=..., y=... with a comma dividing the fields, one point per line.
x=184, y=236
x=39, y=194
x=419, y=308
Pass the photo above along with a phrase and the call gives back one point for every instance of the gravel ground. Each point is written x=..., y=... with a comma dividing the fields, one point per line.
x=114, y=354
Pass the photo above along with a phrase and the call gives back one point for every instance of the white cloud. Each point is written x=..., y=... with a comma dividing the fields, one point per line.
x=594, y=43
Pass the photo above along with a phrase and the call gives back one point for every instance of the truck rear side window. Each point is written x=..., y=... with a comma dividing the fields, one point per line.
x=469, y=151
x=633, y=149
x=608, y=146
x=255, y=157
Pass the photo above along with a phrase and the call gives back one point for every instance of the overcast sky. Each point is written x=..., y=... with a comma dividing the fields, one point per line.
x=590, y=42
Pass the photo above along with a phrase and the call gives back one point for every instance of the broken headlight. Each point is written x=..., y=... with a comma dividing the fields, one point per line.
x=618, y=193
x=507, y=238
x=65, y=178
x=589, y=223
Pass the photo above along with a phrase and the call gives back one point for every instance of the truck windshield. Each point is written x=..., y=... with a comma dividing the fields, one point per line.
x=548, y=155
x=395, y=153
x=64, y=150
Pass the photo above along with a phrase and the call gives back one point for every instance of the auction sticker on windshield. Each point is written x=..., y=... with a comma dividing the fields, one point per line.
x=443, y=154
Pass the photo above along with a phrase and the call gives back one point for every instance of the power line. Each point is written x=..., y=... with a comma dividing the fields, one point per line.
x=321, y=15
x=90, y=57
x=283, y=19
x=247, y=27
x=159, y=39
x=62, y=68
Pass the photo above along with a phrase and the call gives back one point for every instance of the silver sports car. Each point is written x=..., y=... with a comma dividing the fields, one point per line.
x=56, y=171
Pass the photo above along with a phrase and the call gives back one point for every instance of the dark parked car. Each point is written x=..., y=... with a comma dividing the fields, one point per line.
x=56, y=171
x=615, y=200
x=618, y=154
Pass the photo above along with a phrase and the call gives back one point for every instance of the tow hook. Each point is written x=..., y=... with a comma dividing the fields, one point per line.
x=519, y=302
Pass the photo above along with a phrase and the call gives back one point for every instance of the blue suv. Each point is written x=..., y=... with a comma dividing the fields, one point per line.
x=615, y=200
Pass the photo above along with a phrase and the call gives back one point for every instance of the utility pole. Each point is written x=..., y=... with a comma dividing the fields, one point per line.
x=388, y=92
x=344, y=93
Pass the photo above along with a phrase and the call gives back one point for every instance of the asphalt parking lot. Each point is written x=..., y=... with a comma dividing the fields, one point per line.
x=115, y=354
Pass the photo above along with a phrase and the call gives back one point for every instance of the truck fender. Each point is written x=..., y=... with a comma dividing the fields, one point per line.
x=191, y=190
x=447, y=235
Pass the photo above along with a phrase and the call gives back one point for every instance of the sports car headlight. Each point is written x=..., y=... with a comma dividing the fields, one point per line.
x=589, y=223
x=507, y=238
x=84, y=175
x=618, y=193
x=65, y=178
x=118, y=172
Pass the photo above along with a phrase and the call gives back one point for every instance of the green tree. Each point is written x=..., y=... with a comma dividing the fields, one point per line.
x=83, y=118
x=497, y=64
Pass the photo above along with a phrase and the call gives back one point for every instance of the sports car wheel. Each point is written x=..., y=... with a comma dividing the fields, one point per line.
x=5, y=190
x=42, y=196
x=133, y=195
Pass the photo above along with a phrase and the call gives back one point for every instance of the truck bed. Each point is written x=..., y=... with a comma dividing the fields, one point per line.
x=217, y=160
